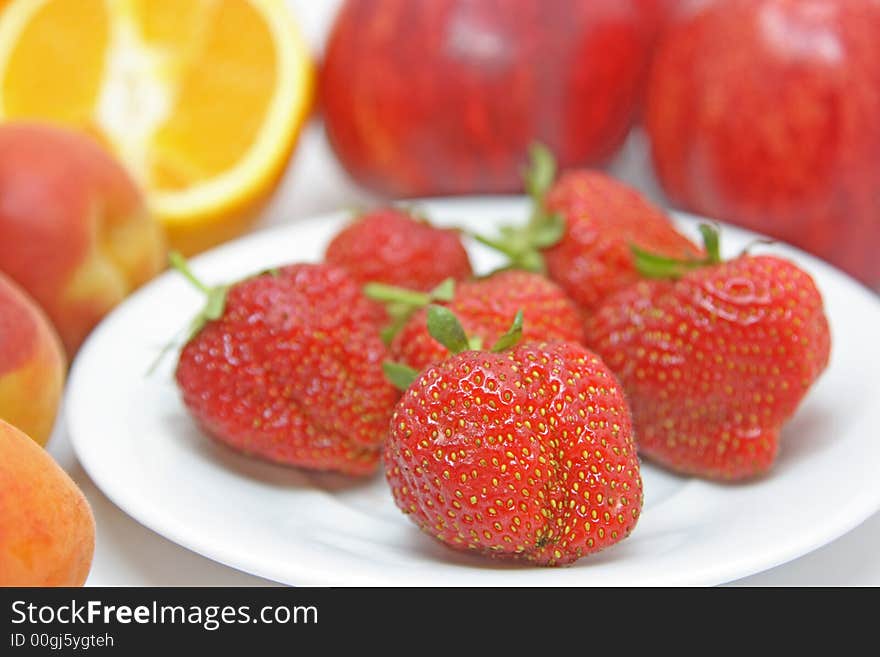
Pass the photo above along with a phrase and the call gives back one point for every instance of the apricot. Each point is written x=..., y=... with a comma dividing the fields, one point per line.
x=32, y=364
x=47, y=530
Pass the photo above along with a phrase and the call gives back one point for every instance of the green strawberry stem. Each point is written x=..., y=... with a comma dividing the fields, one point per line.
x=444, y=327
x=215, y=302
x=216, y=296
x=401, y=303
x=712, y=242
x=652, y=265
x=538, y=178
x=178, y=262
x=391, y=294
x=445, y=291
x=522, y=245
x=213, y=309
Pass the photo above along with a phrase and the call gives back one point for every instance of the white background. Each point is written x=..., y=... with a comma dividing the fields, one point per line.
x=127, y=554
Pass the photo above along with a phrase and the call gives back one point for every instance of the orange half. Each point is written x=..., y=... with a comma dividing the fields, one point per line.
x=202, y=99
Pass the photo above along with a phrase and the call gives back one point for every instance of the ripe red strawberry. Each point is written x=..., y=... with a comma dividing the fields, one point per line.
x=603, y=218
x=391, y=246
x=526, y=454
x=716, y=362
x=485, y=306
x=286, y=366
x=581, y=230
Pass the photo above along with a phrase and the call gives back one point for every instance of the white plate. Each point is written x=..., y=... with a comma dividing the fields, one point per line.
x=134, y=438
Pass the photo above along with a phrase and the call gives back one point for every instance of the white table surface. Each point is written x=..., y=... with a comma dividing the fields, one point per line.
x=128, y=554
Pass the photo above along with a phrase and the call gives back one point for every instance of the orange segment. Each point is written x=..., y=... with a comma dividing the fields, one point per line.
x=237, y=60
x=170, y=23
x=202, y=99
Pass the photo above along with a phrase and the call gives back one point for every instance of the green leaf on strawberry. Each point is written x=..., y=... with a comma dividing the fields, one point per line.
x=655, y=265
x=401, y=303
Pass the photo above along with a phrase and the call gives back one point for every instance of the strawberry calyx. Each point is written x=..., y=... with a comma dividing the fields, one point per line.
x=214, y=306
x=522, y=245
x=215, y=297
x=446, y=329
x=653, y=265
x=215, y=303
x=400, y=303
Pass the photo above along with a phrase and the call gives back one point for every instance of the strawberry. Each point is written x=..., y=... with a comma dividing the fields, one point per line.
x=581, y=230
x=603, y=218
x=716, y=361
x=485, y=306
x=391, y=246
x=524, y=452
x=286, y=366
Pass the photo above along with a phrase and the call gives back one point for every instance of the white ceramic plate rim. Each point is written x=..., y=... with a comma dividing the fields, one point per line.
x=84, y=428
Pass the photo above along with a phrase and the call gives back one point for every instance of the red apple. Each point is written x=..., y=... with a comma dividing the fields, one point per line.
x=658, y=13
x=445, y=96
x=75, y=231
x=765, y=113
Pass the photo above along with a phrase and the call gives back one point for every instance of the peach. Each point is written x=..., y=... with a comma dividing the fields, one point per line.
x=47, y=530
x=75, y=231
x=32, y=364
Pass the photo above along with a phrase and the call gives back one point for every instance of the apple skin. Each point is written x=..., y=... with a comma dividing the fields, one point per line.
x=32, y=364
x=75, y=232
x=765, y=113
x=445, y=96
x=659, y=13
x=47, y=530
